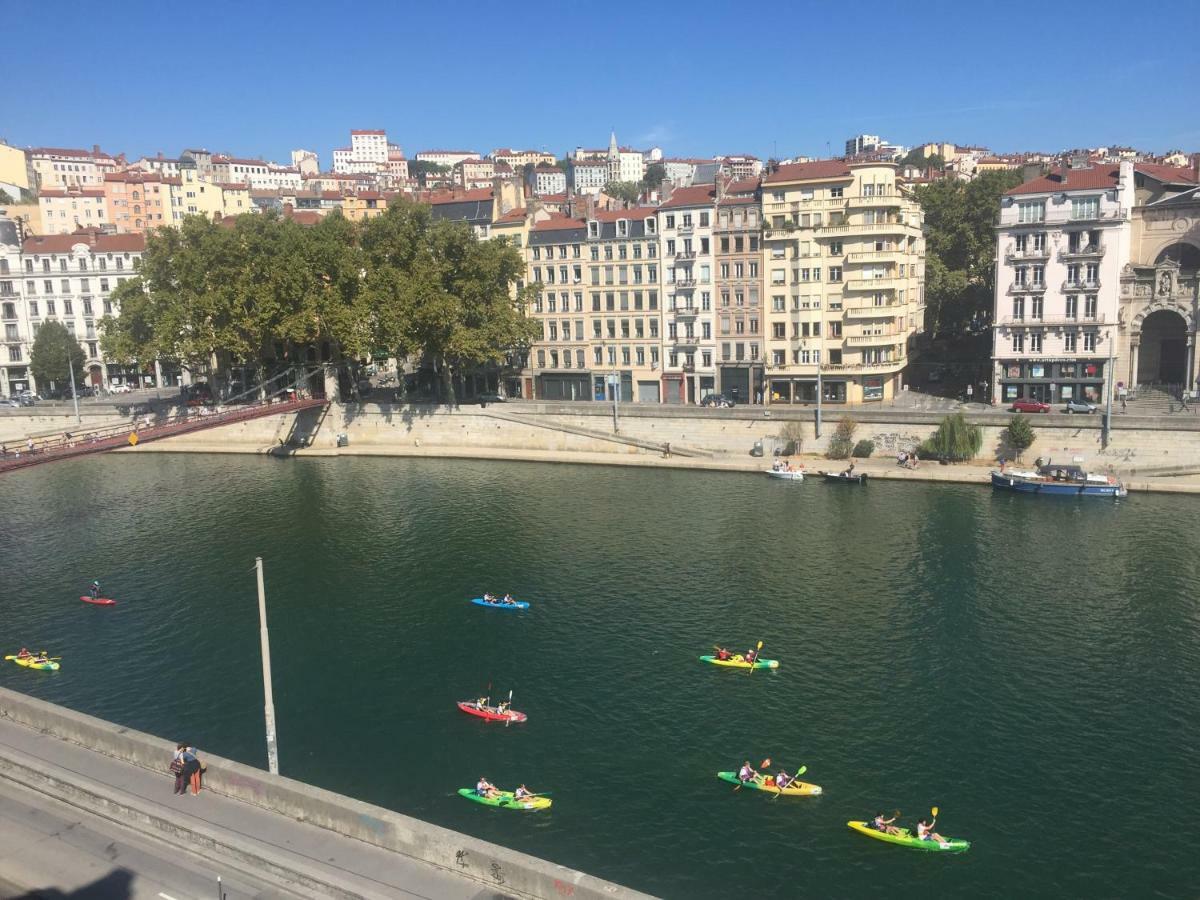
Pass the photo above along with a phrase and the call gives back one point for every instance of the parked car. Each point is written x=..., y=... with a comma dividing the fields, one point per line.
x=1079, y=406
x=23, y=398
x=119, y=389
x=492, y=397
x=198, y=394
x=12, y=402
x=717, y=401
x=1029, y=406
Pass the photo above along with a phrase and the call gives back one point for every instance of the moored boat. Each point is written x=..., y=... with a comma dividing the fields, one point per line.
x=1064, y=481
x=844, y=478
x=786, y=474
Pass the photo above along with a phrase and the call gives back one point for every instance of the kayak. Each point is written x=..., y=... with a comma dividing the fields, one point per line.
x=491, y=713
x=738, y=663
x=30, y=664
x=99, y=601
x=516, y=604
x=795, y=789
x=505, y=799
x=907, y=839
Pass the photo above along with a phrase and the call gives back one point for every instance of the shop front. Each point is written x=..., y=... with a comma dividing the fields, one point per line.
x=563, y=386
x=1052, y=380
x=804, y=390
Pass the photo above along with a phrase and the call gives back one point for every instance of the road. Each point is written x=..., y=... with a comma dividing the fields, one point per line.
x=50, y=850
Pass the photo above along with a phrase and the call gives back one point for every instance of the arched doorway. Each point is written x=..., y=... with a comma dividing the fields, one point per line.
x=95, y=374
x=1162, y=358
x=1186, y=256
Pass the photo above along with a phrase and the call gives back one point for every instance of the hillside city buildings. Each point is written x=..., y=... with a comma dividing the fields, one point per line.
x=776, y=284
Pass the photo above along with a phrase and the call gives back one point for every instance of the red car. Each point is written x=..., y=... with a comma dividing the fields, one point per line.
x=1029, y=406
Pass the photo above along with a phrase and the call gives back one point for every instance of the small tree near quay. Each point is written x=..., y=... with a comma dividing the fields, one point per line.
x=863, y=449
x=792, y=437
x=1018, y=436
x=956, y=440
x=54, y=352
x=842, y=441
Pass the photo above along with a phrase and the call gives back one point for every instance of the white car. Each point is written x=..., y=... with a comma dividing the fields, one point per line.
x=119, y=389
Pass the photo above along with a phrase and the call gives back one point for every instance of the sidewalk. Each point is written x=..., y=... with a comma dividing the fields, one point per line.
x=250, y=845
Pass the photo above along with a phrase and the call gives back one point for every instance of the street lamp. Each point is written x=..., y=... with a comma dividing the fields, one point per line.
x=268, y=695
x=74, y=397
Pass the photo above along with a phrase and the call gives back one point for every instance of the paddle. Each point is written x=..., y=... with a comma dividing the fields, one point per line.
x=756, y=652
x=507, y=712
x=779, y=791
x=762, y=765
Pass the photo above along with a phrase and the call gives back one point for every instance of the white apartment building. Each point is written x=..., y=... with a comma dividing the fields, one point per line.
x=740, y=167
x=342, y=157
x=448, y=158
x=58, y=167
x=306, y=162
x=14, y=352
x=259, y=174
x=588, y=176
x=685, y=227
x=369, y=146
x=1061, y=244
x=65, y=209
x=159, y=164
x=843, y=255
x=548, y=180
x=518, y=159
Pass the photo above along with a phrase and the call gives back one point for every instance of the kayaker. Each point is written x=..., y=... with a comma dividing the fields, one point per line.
x=485, y=788
x=722, y=653
x=94, y=590
x=509, y=600
x=43, y=657
x=751, y=655
x=783, y=779
x=747, y=773
x=522, y=793
x=879, y=823
x=488, y=598
x=24, y=654
x=482, y=702
x=925, y=831
x=502, y=709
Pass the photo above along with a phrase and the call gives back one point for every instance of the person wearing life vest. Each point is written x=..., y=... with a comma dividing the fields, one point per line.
x=24, y=654
x=783, y=779
x=522, y=793
x=94, y=590
x=485, y=788
x=722, y=653
x=747, y=773
x=751, y=655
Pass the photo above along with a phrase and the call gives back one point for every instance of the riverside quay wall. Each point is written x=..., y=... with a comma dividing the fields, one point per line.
x=524, y=876
x=1145, y=445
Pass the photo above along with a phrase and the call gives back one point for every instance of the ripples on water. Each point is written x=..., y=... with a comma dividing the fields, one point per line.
x=1029, y=667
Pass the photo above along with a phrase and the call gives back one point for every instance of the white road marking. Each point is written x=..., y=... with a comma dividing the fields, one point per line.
x=165, y=896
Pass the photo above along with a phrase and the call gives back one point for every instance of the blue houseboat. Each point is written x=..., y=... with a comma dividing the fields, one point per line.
x=1066, y=481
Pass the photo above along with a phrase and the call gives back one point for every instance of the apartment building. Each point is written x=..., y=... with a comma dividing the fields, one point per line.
x=1097, y=266
x=364, y=205
x=547, y=179
x=139, y=201
x=259, y=174
x=447, y=158
x=63, y=210
x=16, y=173
x=598, y=306
x=14, y=352
x=685, y=227
x=738, y=291
x=588, y=176
x=518, y=159
x=60, y=167
x=70, y=278
x=740, y=167
x=474, y=173
x=843, y=260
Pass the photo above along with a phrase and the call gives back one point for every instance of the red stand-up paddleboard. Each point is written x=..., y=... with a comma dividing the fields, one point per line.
x=490, y=713
x=99, y=601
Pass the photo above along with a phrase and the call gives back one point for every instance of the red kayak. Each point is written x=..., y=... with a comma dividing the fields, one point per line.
x=99, y=601
x=491, y=713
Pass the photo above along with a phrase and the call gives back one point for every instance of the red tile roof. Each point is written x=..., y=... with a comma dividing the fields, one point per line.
x=559, y=222
x=809, y=171
x=97, y=240
x=1171, y=174
x=555, y=198
x=745, y=186
x=544, y=167
x=475, y=194
x=698, y=195
x=1091, y=178
x=638, y=212
x=232, y=185
x=65, y=151
x=513, y=215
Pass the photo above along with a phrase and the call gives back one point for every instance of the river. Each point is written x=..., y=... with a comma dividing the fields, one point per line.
x=1030, y=666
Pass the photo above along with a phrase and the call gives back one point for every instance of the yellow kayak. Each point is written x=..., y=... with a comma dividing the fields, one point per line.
x=28, y=663
x=739, y=662
x=767, y=783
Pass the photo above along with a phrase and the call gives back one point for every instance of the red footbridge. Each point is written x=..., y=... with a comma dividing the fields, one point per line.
x=145, y=427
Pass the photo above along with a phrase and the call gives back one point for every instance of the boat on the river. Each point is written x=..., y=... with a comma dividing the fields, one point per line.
x=497, y=603
x=739, y=662
x=30, y=662
x=907, y=839
x=99, y=601
x=767, y=783
x=1066, y=481
x=844, y=477
x=506, y=800
x=491, y=713
x=786, y=474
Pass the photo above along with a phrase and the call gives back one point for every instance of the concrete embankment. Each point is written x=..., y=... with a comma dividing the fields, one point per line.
x=505, y=872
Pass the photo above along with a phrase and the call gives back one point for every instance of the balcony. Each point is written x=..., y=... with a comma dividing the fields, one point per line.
x=890, y=365
x=875, y=339
x=1025, y=255
x=688, y=367
x=873, y=284
x=685, y=256
x=875, y=201
x=1092, y=251
x=887, y=310
x=683, y=284
x=874, y=256
x=685, y=312
x=1050, y=321
x=685, y=229
x=686, y=340
x=1082, y=285
x=1029, y=287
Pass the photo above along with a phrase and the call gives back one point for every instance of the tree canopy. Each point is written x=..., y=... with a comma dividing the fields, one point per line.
x=54, y=351
x=421, y=168
x=960, y=249
x=629, y=191
x=656, y=173
x=398, y=284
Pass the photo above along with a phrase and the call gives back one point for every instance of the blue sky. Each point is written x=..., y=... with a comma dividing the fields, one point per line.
x=259, y=78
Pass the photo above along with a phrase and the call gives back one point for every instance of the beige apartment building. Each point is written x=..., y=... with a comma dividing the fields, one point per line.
x=598, y=307
x=738, y=289
x=843, y=259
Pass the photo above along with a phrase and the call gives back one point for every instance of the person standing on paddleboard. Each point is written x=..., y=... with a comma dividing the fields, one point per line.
x=94, y=590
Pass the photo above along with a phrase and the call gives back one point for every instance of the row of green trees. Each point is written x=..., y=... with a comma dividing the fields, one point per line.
x=956, y=439
x=400, y=284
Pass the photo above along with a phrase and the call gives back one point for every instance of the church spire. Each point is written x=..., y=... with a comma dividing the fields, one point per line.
x=612, y=143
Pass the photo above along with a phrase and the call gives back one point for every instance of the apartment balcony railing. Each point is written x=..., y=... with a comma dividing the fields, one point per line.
x=1056, y=320
x=1081, y=285
x=872, y=284
x=686, y=340
x=1092, y=251
x=873, y=256
x=1028, y=287
x=1023, y=255
x=885, y=366
x=685, y=312
x=685, y=255
x=744, y=225
x=875, y=201
x=685, y=229
x=683, y=284
x=886, y=310
x=688, y=367
x=875, y=339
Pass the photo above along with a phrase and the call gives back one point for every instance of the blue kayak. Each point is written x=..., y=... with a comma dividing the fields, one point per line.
x=500, y=604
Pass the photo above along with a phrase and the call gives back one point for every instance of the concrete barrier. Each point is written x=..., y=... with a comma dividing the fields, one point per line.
x=524, y=875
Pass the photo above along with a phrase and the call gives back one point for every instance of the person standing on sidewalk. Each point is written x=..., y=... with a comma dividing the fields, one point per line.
x=176, y=768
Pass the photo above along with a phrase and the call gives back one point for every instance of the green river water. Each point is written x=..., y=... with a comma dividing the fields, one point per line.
x=1029, y=665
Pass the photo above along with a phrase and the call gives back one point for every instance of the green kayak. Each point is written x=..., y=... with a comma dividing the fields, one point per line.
x=738, y=662
x=505, y=800
x=907, y=839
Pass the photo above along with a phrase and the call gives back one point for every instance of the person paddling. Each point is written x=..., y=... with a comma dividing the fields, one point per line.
x=751, y=655
x=94, y=590
x=879, y=823
x=485, y=788
x=508, y=600
x=747, y=773
x=783, y=779
x=24, y=654
x=522, y=793
x=925, y=831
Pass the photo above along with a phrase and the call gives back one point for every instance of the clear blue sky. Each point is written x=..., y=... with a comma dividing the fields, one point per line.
x=259, y=78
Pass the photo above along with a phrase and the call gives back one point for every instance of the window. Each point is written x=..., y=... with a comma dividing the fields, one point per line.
x=1073, y=274
x=1018, y=343
x=777, y=357
x=1021, y=276
x=835, y=273
x=1072, y=307
x=1031, y=211
x=777, y=303
x=1035, y=307
x=835, y=193
x=1092, y=273
x=779, y=329
x=1038, y=276
x=1089, y=342
x=1089, y=306
x=1085, y=207
x=1069, y=342
x=1035, y=342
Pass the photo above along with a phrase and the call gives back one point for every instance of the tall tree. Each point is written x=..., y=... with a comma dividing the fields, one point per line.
x=656, y=173
x=960, y=249
x=55, y=351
